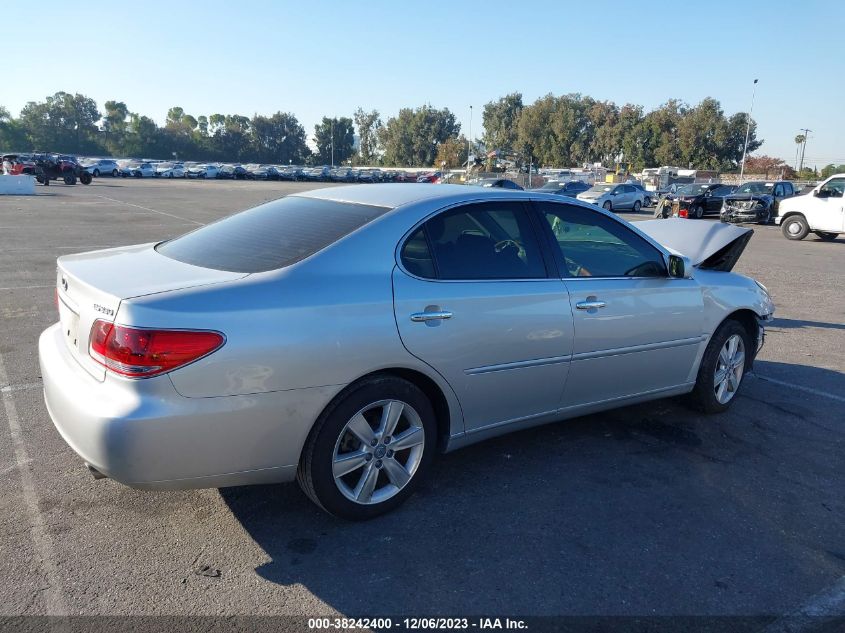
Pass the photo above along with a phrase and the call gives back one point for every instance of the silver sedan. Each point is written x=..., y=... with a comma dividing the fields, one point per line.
x=345, y=336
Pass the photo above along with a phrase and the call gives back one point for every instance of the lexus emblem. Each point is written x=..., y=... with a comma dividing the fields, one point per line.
x=64, y=284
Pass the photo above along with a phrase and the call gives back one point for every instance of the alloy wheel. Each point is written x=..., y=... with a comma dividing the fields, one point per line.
x=729, y=369
x=378, y=452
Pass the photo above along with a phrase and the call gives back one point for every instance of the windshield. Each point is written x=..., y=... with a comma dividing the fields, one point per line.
x=602, y=188
x=756, y=187
x=692, y=190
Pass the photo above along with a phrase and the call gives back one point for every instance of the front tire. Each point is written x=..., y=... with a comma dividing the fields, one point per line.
x=723, y=366
x=637, y=206
x=795, y=227
x=825, y=236
x=96, y=173
x=765, y=217
x=607, y=206
x=369, y=449
x=698, y=212
x=114, y=173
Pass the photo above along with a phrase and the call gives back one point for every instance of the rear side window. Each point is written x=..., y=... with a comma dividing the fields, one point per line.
x=270, y=236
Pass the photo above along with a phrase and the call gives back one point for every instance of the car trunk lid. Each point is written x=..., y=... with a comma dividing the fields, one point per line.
x=90, y=286
x=708, y=245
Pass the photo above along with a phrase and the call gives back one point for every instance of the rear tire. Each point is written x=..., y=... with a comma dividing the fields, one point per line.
x=712, y=395
x=369, y=402
x=795, y=227
x=825, y=236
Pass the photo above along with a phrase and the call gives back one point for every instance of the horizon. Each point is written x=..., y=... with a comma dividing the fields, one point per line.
x=326, y=60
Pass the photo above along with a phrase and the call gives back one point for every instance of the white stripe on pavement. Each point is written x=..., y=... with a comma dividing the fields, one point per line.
x=54, y=596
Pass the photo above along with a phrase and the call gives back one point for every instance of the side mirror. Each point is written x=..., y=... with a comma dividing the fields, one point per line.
x=680, y=267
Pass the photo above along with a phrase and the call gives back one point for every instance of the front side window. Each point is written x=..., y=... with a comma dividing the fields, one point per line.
x=833, y=188
x=492, y=240
x=592, y=245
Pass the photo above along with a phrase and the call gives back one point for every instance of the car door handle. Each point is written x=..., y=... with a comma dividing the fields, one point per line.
x=590, y=305
x=439, y=315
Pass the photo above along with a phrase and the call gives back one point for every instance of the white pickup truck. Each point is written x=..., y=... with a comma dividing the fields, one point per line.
x=821, y=211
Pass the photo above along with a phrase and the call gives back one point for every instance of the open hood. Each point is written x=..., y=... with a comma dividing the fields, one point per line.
x=709, y=245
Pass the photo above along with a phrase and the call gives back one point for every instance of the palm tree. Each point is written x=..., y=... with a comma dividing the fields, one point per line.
x=798, y=141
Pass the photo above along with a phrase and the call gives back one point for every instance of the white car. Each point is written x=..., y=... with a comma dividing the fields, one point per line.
x=169, y=170
x=614, y=197
x=138, y=170
x=102, y=167
x=202, y=171
x=821, y=211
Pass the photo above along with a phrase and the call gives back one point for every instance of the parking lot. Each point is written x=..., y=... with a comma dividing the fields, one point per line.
x=647, y=510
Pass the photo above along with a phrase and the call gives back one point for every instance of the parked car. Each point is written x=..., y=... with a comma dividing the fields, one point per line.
x=176, y=365
x=502, y=183
x=260, y=172
x=429, y=176
x=696, y=201
x=290, y=173
x=613, y=197
x=649, y=197
x=204, y=170
x=137, y=170
x=821, y=211
x=102, y=167
x=756, y=201
x=569, y=189
x=169, y=170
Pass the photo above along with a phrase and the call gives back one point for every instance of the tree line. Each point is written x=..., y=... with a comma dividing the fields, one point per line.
x=570, y=129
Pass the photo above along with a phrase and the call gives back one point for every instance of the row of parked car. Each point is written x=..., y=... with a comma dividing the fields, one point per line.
x=253, y=171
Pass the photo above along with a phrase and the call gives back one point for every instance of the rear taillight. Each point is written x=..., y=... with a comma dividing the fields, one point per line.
x=140, y=353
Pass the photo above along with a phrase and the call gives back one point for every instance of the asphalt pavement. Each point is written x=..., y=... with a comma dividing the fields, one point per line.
x=647, y=510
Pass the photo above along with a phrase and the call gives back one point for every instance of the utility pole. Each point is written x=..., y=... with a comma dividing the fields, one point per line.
x=332, y=142
x=747, y=132
x=803, y=147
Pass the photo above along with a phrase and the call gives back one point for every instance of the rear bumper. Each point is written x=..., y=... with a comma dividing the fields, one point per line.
x=142, y=433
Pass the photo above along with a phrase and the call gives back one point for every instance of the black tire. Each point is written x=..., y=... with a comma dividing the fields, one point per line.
x=637, y=206
x=315, y=475
x=765, y=217
x=607, y=206
x=703, y=396
x=85, y=178
x=795, y=227
x=138, y=174
x=698, y=212
x=647, y=202
x=825, y=236
x=70, y=179
x=114, y=173
x=96, y=173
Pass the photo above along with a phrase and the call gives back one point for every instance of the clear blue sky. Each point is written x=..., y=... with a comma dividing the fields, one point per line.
x=328, y=58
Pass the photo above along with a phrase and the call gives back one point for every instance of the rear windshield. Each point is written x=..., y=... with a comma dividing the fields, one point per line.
x=270, y=236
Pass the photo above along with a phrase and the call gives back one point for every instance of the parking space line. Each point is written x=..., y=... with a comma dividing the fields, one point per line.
x=828, y=603
x=138, y=206
x=792, y=385
x=26, y=287
x=22, y=387
x=54, y=596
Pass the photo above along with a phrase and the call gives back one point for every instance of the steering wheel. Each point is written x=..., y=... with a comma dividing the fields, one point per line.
x=500, y=246
x=576, y=270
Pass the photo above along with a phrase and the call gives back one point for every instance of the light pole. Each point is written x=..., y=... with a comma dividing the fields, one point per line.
x=747, y=132
x=804, y=147
x=332, y=142
x=469, y=139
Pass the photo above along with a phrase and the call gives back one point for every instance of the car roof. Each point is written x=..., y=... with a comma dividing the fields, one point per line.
x=394, y=195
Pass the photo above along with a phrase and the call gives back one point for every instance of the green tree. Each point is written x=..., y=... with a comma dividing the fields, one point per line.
x=336, y=133
x=368, y=124
x=500, y=120
x=829, y=170
x=278, y=139
x=411, y=138
x=62, y=123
